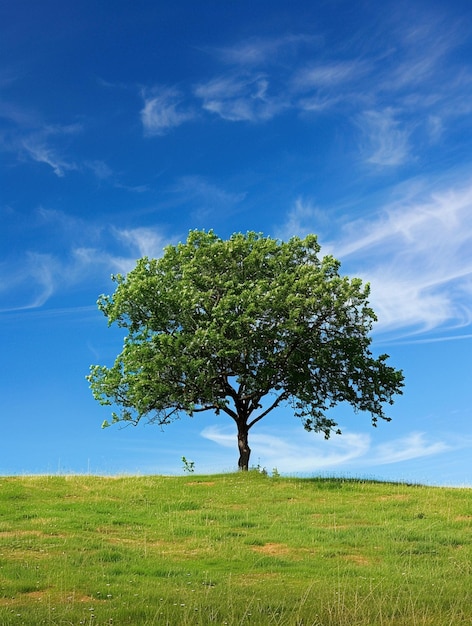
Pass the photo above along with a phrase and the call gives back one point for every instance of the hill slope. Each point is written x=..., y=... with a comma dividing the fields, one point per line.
x=233, y=549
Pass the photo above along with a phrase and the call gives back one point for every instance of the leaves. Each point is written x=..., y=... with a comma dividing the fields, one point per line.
x=218, y=325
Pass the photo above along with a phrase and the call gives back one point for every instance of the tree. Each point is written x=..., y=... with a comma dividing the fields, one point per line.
x=239, y=327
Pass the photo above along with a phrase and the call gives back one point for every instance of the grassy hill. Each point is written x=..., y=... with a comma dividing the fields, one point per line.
x=233, y=549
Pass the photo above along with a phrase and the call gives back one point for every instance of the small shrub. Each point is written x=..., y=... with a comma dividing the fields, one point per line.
x=188, y=466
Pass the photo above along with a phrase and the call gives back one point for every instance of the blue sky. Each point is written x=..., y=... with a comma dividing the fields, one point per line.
x=125, y=124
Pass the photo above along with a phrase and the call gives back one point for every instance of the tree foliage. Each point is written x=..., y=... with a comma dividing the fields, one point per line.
x=239, y=327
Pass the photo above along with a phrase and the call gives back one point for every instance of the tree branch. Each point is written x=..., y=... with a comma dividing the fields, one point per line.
x=279, y=399
x=230, y=412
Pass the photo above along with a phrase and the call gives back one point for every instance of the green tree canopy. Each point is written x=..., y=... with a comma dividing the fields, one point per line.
x=239, y=327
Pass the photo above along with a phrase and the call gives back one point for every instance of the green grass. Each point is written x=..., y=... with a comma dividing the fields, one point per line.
x=233, y=549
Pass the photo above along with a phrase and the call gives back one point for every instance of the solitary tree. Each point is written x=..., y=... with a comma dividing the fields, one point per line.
x=239, y=327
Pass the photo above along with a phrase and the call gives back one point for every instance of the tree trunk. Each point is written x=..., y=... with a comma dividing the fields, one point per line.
x=244, y=449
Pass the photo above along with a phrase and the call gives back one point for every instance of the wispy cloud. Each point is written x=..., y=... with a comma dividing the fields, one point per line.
x=33, y=281
x=297, y=451
x=386, y=141
x=101, y=170
x=416, y=252
x=328, y=75
x=143, y=241
x=39, y=276
x=303, y=218
x=29, y=139
x=251, y=90
x=418, y=257
x=164, y=109
x=117, y=250
x=17, y=115
x=205, y=196
x=90, y=253
x=41, y=153
x=258, y=51
x=421, y=52
x=240, y=98
x=401, y=94
x=413, y=446
x=29, y=284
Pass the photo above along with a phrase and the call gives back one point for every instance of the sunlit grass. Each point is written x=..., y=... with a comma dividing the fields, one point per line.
x=233, y=549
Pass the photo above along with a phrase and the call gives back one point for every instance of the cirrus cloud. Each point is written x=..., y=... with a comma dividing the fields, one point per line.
x=164, y=109
x=297, y=451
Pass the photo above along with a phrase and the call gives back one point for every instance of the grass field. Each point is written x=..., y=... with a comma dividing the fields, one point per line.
x=233, y=549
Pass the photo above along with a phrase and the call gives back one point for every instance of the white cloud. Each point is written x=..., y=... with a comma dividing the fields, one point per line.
x=38, y=276
x=40, y=152
x=240, y=98
x=417, y=255
x=386, y=141
x=100, y=169
x=92, y=253
x=303, y=219
x=89, y=262
x=33, y=282
x=163, y=110
x=270, y=76
x=67, y=225
x=413, y=446
x=327, y=75
x=106, y=258
x=17, y=115
x=29, y=139
x=205, y=196
x=248, y=53
x=298, y=451
x=144, y=241
x=260, y=51
x=44, y=268
x=405, y=305
x=319, y=102
x=421, y=52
